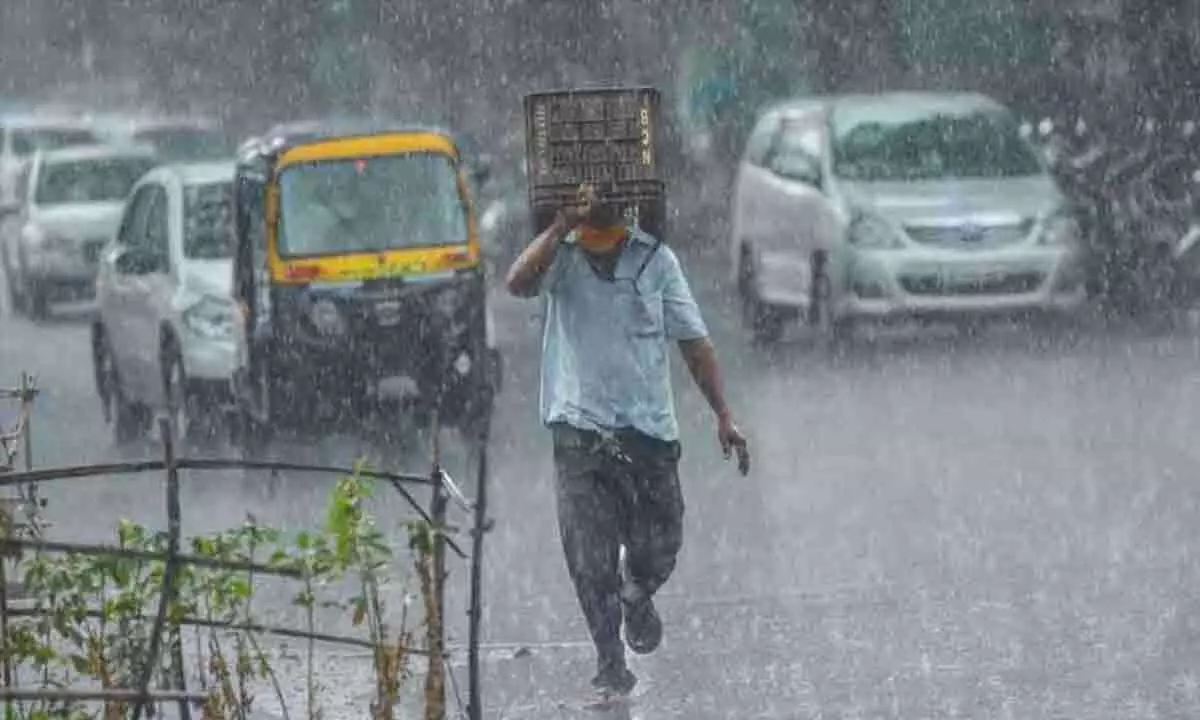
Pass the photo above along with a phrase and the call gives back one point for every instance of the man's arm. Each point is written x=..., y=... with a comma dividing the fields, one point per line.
x=525, y=276
x=701, y=359
x=685, y=325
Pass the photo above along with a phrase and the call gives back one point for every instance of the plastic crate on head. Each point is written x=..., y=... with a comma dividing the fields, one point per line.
x=607, y=137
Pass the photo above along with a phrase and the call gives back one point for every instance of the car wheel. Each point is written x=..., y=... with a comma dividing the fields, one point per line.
x=128, y=419
x=15, y=280
x=253, y=436
x=35, y=298
x=100, y=370
x=765, y=323
x=10, y=285
x=249, y=441
x=185, y=409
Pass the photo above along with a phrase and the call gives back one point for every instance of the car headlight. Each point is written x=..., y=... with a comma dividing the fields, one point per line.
x=38, y=238
x=868, y=232
x=326, y=318
x=211, y=318
x=447, y=303
x=1058, y=228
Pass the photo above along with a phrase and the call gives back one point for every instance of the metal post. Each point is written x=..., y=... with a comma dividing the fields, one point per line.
x=174, y=528
x=475, y=614
x=4, y=644
x=27, y=393
x=435, y=679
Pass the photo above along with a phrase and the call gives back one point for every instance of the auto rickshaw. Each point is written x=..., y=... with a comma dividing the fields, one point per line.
x=356, y=262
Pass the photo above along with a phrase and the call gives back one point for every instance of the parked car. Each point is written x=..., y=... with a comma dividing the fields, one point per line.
x=71, y=200
x=163, y=335
x=898, y=205
x=176, y=139
x=21, y=135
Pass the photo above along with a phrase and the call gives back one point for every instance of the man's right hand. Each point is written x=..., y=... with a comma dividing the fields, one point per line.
x=571, y=215
x=526, y=272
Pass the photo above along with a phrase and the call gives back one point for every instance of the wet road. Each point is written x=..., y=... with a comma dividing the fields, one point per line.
x=986, y=528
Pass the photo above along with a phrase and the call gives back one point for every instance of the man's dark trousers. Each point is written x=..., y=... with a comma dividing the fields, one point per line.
x=614, y=491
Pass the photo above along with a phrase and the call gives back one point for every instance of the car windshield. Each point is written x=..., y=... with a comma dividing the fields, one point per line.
x=208, y=221
x=933, y=146
x=185, y=143
x=26, y=141
x=371, y=204
x=81, y=181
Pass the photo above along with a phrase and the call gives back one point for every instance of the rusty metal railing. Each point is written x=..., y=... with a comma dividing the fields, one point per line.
x=19, y=435
x=443, y=491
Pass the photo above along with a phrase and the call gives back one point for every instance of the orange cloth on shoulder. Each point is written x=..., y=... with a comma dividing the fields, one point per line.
x=601, y=240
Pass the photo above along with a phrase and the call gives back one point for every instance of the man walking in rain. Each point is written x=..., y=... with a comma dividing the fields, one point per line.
x=615, y=297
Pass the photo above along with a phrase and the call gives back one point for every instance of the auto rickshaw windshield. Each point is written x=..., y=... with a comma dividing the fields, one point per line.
x=389, y=202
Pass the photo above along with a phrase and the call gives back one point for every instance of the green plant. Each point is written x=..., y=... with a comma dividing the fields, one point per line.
x=92, y=614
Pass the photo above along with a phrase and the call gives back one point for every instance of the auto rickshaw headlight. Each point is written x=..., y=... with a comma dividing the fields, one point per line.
x=462, y=365
x=326, y=318
x=446, y=303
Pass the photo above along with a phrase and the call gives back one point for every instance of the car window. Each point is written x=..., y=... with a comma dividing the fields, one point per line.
x=208, y=220
x=935, y=145
x=370, y=205
x=133, y=223
x=94, y=180
x=760, y=140
x=798, y=140
x=26, y=141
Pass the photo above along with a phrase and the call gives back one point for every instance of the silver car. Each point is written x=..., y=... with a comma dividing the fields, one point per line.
x=21, y=135
x=163, y=334
x=70, y=202
x=898, y=206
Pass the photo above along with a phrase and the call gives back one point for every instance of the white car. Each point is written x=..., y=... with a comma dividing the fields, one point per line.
x=23, y=135
x=163, y=336
x=898, y=206
x=70, y=202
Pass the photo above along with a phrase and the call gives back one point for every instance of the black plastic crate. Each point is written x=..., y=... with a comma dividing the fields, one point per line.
x=604, y=135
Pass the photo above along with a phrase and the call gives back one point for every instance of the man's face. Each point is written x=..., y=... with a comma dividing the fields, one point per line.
x=604, y=215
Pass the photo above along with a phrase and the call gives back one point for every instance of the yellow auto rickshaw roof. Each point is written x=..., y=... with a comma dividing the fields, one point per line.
x=363, y=146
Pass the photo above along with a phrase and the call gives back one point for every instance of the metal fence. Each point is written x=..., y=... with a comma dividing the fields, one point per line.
x=443, y=491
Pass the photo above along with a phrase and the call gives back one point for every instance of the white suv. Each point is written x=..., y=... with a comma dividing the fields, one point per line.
x=898, y=206
x=163, y=339
x=69, y=204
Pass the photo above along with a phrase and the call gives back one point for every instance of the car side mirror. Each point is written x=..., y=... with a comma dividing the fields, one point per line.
x=799, y=168
x=138, y=261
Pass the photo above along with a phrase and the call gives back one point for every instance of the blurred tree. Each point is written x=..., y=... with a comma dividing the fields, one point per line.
x=1165, y=39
